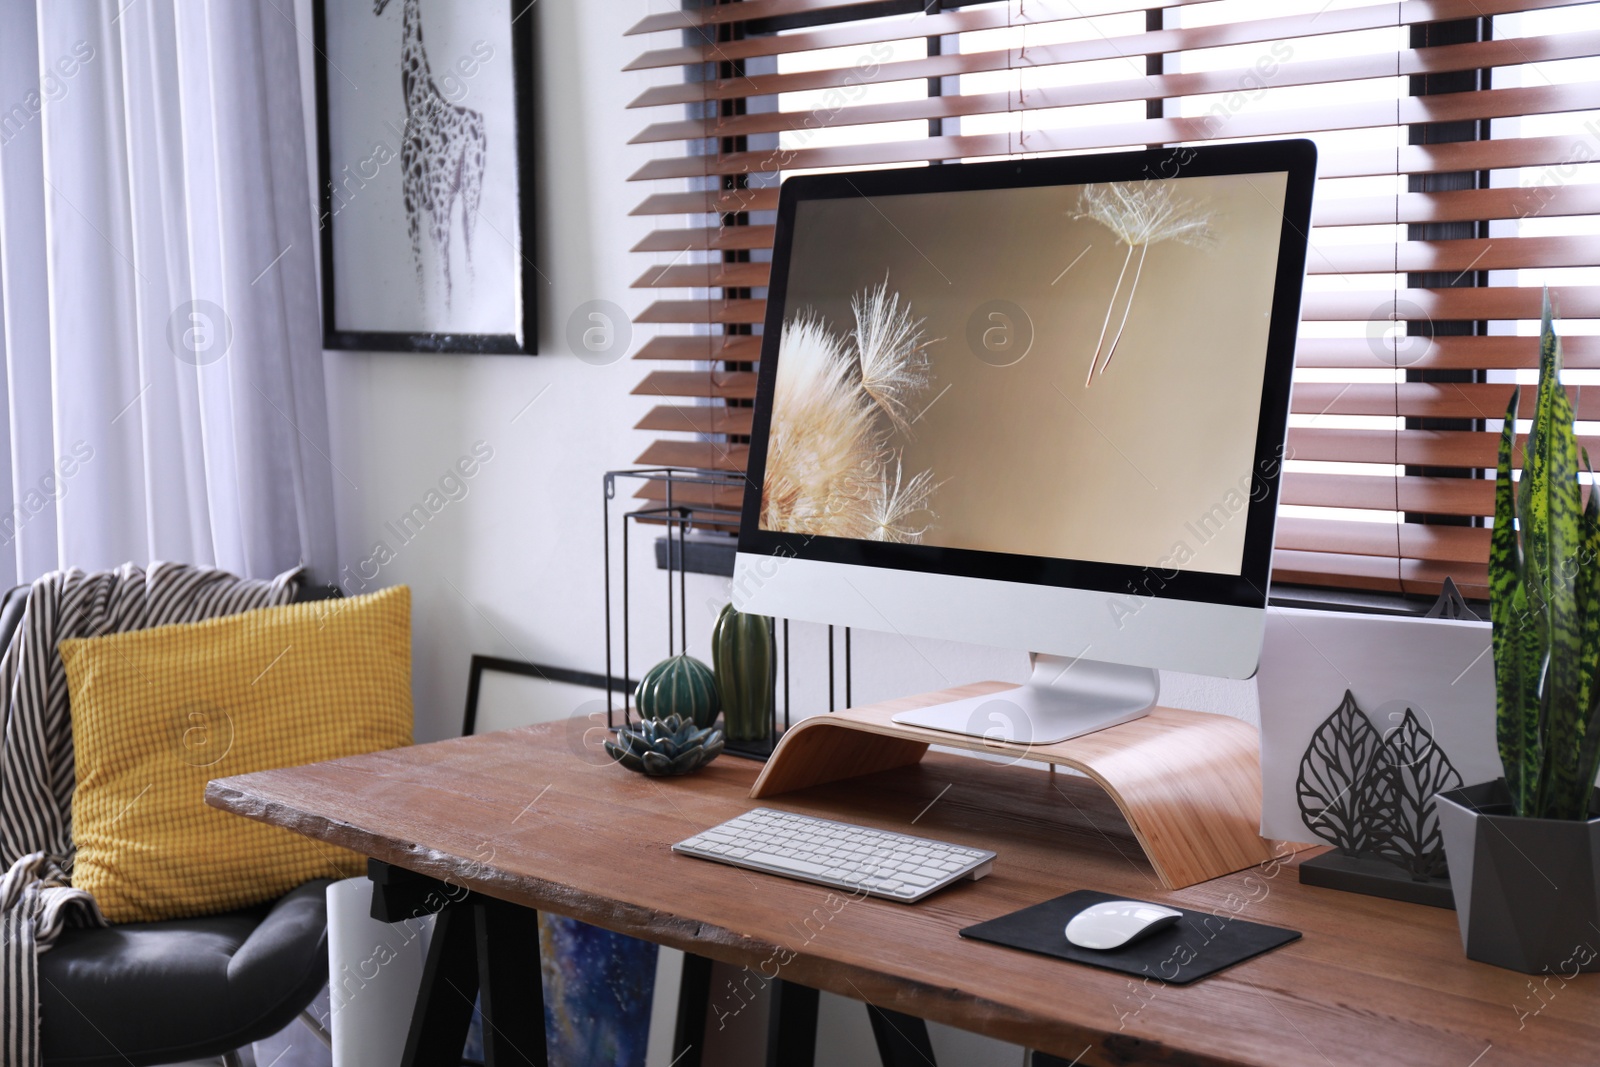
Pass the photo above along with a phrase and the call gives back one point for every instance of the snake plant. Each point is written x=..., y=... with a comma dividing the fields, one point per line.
x=1544, y=595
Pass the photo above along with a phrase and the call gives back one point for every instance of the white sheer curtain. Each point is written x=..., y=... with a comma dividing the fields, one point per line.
x=163, y=394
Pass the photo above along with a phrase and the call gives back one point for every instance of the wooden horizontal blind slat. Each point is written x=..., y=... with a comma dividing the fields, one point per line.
x=1442, y=353
x=1461, y=205
x=708, y=202
x=1419, y=448
x=722, y=385
x=706, y=347
x=715, y=311
x=732, y=422
x=1375, y=435
x=1434, y=496
x=1379, y=573
x=710, y=15
x=1459, y=544
x=1467, y=400
x=1573, y=301
x=702, y=455
x=703, y=276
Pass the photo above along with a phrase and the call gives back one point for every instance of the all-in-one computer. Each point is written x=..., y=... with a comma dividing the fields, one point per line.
x=1039, y=404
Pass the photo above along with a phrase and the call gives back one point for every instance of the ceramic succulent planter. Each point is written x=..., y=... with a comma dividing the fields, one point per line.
x=681, y=685
x=665, y=747
x=1527, y=891
x=746, y=668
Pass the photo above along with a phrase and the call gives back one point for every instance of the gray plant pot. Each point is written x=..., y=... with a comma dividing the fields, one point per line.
x=1527, y=890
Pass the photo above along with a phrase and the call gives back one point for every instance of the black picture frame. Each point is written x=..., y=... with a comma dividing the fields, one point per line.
x=566, y=675
x=525, y=342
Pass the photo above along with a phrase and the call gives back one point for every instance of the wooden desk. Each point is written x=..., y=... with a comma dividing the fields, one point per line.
x=529, y=816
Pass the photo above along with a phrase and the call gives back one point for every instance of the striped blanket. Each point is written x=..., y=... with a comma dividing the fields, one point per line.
x=36, y=770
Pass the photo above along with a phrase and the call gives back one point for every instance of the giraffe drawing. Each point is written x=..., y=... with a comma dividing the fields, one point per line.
x=441, y=152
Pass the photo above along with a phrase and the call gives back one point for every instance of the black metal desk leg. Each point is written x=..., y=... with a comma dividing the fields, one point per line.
x=444, y=1002
x=902, y=1039
x=694, y=1000
x=792, y=1025
x=1044, y=1059
x=512, y=985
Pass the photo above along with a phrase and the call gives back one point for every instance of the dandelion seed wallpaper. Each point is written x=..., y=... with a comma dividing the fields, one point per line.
x=1144, y=313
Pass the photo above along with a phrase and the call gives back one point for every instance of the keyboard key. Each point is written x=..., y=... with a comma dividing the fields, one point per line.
x=799, y=866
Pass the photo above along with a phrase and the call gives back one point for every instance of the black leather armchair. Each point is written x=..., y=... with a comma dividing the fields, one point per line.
x=153, y=993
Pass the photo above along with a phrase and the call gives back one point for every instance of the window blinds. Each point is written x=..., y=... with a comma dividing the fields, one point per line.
x=1459, y=142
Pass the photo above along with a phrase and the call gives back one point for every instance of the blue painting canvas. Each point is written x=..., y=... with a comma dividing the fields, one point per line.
x=598, y=988
x=597, y=992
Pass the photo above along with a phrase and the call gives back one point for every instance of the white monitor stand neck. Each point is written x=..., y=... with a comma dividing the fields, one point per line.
x=1064, y=698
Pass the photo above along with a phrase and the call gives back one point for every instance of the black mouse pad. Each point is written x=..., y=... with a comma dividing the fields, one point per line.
x=1196, y=946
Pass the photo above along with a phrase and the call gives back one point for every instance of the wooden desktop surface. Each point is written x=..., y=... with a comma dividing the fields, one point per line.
x=534, y=816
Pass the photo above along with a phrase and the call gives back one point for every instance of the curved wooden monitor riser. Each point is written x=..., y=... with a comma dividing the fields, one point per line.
x=1189, y=783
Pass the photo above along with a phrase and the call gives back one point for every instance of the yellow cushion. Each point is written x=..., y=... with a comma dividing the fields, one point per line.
x=158, y=713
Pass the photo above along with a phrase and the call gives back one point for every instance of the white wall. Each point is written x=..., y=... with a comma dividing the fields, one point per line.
x=514, y=568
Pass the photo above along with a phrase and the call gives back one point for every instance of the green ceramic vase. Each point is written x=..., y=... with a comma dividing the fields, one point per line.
x=682, y=686
x=746, y=671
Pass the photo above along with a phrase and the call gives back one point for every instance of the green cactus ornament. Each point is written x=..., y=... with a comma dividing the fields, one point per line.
x=746, y=671
x=681, y=685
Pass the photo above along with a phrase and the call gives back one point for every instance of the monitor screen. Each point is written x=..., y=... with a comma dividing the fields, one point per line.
x=1027, y=380
x=1068, y=371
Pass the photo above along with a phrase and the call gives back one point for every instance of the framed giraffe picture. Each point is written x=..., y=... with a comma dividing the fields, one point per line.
x=425, y=155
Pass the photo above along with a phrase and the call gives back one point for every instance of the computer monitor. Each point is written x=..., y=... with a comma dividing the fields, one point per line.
x=1036, y=404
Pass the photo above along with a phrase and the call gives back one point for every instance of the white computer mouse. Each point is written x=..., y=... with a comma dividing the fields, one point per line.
x=1114, y=923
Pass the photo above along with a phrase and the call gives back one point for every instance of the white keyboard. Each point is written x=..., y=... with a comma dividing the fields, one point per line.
x=848, y=857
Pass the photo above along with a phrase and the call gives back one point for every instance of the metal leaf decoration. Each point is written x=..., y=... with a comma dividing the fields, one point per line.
x=1333, y=774
x=1403, y=826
